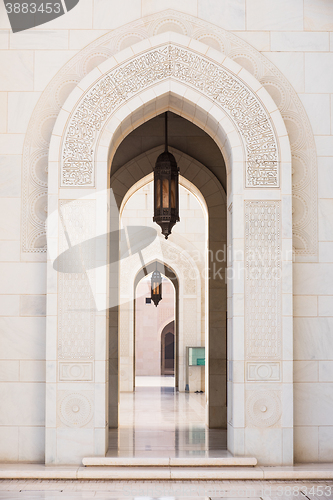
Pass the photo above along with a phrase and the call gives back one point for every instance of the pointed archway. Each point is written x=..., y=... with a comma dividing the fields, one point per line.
x=168, y=349
x=177, y=73
x=203, y=292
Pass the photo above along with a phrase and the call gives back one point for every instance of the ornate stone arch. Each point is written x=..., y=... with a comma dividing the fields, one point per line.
x=165, y=323
x=216, y=86
x=35, y=165
x=118, y=96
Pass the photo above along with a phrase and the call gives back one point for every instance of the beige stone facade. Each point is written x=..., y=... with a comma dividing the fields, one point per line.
x=80, y=102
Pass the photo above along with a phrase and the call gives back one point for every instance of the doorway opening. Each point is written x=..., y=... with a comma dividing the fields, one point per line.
x=195, y=254
x=168, y=350
x=154, y=353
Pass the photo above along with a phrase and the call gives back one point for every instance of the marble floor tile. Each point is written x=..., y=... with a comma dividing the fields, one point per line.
x=158, y=421
x=162, y=490
x=47, y=495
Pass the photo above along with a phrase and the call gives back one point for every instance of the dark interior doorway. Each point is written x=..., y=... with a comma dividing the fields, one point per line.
x=168, y=350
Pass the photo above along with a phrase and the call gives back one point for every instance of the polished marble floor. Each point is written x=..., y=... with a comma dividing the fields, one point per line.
x=158, y=421
x=134, y=490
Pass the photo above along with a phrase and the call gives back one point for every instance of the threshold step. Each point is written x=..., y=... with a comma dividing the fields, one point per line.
x=28, y=472
x=169, y=462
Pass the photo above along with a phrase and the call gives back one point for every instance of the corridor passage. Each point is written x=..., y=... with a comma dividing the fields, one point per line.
x=158, y=421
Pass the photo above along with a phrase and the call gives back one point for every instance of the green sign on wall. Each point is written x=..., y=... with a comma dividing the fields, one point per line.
x=196, y=356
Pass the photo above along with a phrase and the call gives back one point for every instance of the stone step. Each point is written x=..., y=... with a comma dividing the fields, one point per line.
x=169, y=462
x=305, y=472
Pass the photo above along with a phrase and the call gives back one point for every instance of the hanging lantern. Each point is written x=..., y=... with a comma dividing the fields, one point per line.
x=166, y=189
x=156, y=287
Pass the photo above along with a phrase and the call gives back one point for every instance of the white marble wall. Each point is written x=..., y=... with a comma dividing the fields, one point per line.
x=297, y=37
x=22, y=332
x=23, y=281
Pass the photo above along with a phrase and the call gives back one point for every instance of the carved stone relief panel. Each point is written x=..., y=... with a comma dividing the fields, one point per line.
x=75, y=409
x=75, y=371
x=171, y=61
x=263, y=279
x=76, y=306
x=263, y=408
x=270, y=372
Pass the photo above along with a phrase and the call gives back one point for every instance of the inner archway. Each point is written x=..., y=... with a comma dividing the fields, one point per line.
x=170, y=310
x=154, y=353
x=209, y=252
x=168, y=350
x=176, y=261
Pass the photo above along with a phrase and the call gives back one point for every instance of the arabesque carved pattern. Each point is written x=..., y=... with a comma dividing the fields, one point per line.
x=263, y=279
x=37, y=141
x=76, y=306
x=171, y=61
x=263, y=408
x=75, y=409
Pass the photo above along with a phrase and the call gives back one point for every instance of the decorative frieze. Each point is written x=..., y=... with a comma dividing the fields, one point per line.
x=182, y=64
x=36, y=144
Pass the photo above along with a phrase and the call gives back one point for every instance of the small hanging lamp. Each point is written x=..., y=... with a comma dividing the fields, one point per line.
x=156, y=287
x=166, y=189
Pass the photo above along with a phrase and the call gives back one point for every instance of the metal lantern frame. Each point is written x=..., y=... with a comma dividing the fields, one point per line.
x=166, y=189
x=156, y=287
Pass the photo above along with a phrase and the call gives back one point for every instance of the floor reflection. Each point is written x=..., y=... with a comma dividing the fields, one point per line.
x=158, y=421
